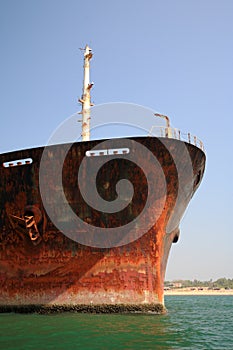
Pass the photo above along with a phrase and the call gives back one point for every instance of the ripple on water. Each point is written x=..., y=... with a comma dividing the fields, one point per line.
x=192, y=322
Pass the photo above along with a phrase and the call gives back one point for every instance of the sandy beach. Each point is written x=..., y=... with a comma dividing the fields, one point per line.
x=198, y=291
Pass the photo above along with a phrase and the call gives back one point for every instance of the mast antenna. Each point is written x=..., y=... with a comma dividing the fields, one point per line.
x=85, y=100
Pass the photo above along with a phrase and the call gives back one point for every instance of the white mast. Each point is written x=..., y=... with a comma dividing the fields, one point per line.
x=86, y=96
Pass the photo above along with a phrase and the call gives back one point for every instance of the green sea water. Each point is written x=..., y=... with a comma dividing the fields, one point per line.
x=192, y=322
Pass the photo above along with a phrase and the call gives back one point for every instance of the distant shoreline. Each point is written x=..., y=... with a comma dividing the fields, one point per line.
x=190, y=291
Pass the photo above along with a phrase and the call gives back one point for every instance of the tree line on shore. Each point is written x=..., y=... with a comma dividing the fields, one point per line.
x=226, y=283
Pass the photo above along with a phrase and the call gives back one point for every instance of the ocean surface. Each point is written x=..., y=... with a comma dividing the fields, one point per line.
x=192, y=322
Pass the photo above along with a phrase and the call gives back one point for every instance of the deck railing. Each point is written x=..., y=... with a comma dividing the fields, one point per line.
x=161, y=131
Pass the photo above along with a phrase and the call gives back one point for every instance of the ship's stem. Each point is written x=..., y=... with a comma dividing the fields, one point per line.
x=86, y=97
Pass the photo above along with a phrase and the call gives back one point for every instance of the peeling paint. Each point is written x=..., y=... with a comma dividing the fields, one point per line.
x=61, y=271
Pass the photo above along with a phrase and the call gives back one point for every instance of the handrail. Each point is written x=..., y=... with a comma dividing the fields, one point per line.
x=173, y=133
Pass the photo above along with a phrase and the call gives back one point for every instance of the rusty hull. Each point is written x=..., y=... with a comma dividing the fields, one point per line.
x=52, y=269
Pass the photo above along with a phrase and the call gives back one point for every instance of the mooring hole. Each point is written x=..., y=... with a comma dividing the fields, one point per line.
x=18, y=162
x=107, y=152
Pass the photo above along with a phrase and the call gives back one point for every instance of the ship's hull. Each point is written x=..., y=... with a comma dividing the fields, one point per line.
x=40, y=265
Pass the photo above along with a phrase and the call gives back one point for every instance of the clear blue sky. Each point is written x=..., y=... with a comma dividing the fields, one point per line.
x=175, y=57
